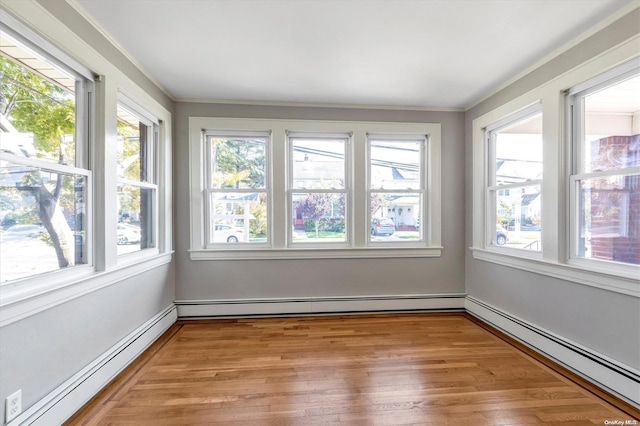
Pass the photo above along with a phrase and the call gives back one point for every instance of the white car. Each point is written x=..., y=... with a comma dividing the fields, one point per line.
x=18, y=232
x=128, y=234
x=227, y=234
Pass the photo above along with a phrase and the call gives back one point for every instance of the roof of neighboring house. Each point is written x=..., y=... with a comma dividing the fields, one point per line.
x=528, y=198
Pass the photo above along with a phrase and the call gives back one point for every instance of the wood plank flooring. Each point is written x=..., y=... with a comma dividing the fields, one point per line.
x=396, y=369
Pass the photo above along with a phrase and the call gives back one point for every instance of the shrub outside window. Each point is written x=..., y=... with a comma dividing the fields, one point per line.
x=44, y=176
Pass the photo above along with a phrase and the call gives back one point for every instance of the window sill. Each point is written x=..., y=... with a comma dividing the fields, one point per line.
x=315, y=253
x=21, y=299
x=620, y=283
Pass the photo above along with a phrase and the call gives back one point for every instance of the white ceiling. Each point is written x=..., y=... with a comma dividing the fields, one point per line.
x=429, y=53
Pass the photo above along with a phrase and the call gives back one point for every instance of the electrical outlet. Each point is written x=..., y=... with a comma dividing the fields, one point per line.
x=13, y=406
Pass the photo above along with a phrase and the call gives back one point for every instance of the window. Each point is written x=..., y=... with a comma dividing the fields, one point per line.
x=605, y=179
x=318, y=191
x=44, y=175
x=514, y=146
x=300, y=189
x=137, y=191
x=397, y=187
x=236, y=191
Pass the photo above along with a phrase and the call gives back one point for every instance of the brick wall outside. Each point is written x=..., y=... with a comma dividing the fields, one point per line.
x=615, y=204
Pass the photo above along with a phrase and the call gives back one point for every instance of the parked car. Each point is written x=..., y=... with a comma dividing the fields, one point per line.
x=227, y=234
x=128, y=234
x=501, y=236
x=382, y=226
x=17, y=232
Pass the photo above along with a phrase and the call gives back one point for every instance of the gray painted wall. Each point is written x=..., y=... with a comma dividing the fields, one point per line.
x=239, y=279
x=41, y=352
x=604, y=321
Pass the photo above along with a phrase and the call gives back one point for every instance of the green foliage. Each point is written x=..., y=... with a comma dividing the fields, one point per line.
x=238, y=163
x=258, y=212
x=505, y=213
x=34, y=105
x=129, y=157
x=326, y=224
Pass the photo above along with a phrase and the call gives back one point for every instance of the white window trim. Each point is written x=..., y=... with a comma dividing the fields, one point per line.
x=575, y=136
x=279, y=232
x=347, y=138
x=424, y=180
x=207, y=191
x=492, y=188
x=153, y=167
x=555, y=189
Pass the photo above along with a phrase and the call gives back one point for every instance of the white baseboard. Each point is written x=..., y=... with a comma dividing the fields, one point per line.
x=319, y=305
x=613, y=376
x=69, y=397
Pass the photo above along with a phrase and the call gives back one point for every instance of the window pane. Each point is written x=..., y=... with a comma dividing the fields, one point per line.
x=319, y=217
x=610, y=218
x=238, y=163
x=238, y=217
x=395, y=216
x=39, y=102
x=395, y=165
x=318, y=163
x=518, y=151
x=135, y=218
x=42, y=216
x=518, y=214
x=611, y=132
x=133, y=147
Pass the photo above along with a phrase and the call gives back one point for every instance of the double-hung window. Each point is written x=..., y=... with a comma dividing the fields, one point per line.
x=45, y=179
x=318, y=188
x=307, y=189
x=396, y=188
x=236, y=190
x=605, y=173
x=514, y=181
x=137, y=177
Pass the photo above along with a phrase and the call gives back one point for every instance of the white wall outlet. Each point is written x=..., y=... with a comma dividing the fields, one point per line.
x=13, y=405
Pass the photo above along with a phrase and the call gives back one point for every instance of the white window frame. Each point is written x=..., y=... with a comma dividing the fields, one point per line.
x=423, y=141
x=357, y=204
x=153, y=165
x=291, y=189
x=576, y=137
x=555, y=261
x=208, y=190
x=84, y=112
x=492, y=188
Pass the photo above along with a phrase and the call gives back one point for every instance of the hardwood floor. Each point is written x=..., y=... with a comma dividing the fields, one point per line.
x=396, y=369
